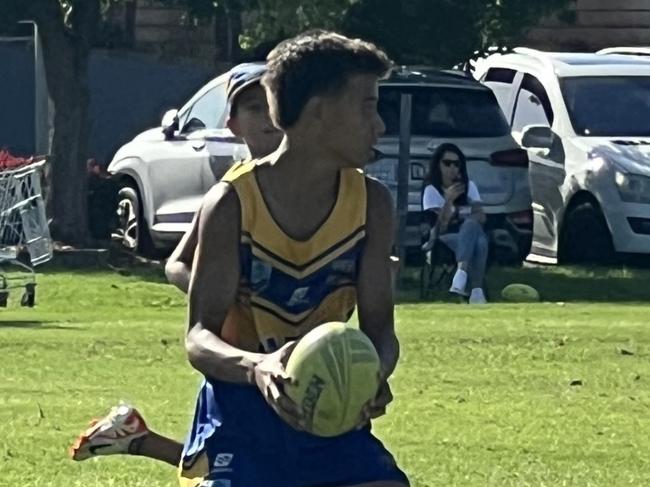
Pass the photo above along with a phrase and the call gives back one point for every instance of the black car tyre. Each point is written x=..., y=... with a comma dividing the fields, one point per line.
x=132, y=230
x=585, y=238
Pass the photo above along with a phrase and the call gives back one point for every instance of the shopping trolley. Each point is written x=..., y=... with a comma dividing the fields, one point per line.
x=23, y=227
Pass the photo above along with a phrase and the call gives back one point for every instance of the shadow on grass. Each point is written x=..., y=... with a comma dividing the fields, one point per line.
x=554, y=284
x=41, y=325
x=623, y=283
x=150, y=274
x=108, y=260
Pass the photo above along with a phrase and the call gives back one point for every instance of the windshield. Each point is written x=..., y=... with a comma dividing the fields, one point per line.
x=444, y=112
x=608, y=106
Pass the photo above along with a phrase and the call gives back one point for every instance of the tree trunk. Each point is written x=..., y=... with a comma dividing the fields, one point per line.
x=68, y=158
x=233, y=16
x=66, y=50
x=228, y=28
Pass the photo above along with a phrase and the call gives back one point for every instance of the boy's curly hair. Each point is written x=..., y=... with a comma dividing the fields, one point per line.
x=315, y=63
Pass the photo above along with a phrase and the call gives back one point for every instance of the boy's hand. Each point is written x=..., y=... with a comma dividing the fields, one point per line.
x=271, y=377
x=377, y=406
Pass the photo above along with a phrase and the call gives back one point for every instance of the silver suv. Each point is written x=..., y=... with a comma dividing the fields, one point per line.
x=164, y=172
x=448, y=106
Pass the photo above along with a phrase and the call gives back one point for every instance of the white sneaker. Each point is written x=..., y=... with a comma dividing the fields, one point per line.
x=111, y=434
x=477, y=296
x=459, y=283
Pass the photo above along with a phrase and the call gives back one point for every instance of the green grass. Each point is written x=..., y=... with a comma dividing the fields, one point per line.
x=483, y=396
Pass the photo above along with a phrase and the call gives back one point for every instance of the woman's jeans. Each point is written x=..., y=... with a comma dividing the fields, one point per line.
x=470, y=245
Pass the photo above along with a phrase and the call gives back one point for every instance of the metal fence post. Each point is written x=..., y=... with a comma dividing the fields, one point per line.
x=403, y=173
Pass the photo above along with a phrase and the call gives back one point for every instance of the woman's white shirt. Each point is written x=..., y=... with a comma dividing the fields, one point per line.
x=433, y=200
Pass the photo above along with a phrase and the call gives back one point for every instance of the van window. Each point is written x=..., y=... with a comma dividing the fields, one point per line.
x=500, y=75
x=500, y=81
x=533, y=106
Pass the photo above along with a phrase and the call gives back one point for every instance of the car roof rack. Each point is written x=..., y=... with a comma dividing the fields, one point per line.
x=541, y=56
x=632, y=50
x=429, y=74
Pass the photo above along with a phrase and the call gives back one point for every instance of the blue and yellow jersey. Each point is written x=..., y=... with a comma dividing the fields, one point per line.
x=288, y=286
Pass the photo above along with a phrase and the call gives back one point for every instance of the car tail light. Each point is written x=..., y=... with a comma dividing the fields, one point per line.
x=523, y=218
x=510, y=158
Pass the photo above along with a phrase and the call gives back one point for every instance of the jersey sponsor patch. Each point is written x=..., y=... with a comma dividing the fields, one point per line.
x=223, y=459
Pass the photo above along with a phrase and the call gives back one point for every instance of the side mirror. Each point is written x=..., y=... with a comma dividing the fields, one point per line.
x=537, y=136
x=169, y=123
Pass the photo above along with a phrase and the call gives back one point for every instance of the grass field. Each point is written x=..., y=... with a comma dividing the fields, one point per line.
x=550, y=394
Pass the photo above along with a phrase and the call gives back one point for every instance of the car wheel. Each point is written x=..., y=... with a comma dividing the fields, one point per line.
x=132, y=230
x=585, y=238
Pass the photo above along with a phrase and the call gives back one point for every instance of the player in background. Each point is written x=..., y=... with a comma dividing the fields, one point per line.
x=249, y=120
x=123, y=430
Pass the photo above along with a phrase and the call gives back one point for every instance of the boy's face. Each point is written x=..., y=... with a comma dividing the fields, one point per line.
x=351, y=122
x=252, y=122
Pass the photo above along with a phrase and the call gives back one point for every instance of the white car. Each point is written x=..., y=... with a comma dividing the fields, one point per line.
x=164, y=172
x=585, y=121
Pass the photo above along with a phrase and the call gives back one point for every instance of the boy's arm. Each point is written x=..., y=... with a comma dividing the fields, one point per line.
x=212, y=289
x=374, y=286
x=179, y=265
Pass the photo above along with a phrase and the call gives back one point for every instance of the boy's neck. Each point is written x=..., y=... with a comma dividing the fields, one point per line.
x=304, y=161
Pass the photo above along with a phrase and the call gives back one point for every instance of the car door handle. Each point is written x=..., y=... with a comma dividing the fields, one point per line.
x=198, y=147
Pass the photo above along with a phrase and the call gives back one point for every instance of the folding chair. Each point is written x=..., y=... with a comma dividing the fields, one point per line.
x=438, y=267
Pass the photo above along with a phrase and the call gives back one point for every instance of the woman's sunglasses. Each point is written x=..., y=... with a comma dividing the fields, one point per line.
x=450, y=162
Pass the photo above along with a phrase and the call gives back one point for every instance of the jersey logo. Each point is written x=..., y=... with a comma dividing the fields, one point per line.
x=223, y=459
x=298, y=296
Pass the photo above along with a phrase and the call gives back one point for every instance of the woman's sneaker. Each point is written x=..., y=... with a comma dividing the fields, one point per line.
x=110, y=435
x=477, y=296
x=459, y=283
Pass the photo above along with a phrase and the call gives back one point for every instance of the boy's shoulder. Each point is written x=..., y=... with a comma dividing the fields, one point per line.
x=238, y=169
x=376, y=190
x=244, y=167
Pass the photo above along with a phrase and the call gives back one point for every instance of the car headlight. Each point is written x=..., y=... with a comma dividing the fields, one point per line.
x=633, y=188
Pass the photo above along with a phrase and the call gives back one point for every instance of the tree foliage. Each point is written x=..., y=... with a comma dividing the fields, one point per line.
x=412, y=31
x=272, y=20
x=265, y=21
x=443, y=32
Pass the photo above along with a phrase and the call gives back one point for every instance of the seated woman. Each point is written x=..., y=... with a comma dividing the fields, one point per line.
x=458, y=218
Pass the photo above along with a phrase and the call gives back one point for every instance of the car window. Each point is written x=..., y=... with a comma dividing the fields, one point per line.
x=598, y=109
x=500, y=81
x=500, y=75
x=444, y=112
x=535, y=86
x=208, y=111
x=533, y=106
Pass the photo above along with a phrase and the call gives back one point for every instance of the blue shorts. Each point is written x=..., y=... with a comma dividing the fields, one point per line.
x=237, y=440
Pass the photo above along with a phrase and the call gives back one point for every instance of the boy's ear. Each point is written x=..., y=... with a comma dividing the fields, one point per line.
x=314, y=108
x=233, y=124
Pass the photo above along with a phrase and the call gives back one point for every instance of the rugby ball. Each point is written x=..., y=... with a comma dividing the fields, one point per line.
x=520, y=293
x=336, y=372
